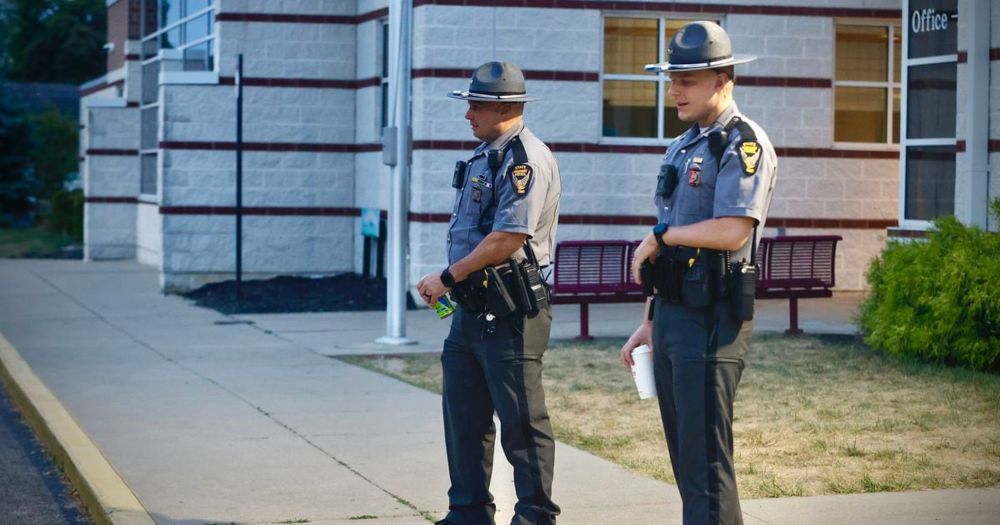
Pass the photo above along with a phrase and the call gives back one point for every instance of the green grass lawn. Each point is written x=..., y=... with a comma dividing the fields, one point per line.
x=31, y=242
x=814, y=415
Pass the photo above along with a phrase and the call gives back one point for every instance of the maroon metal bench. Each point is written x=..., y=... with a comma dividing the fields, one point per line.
x=794, y=267
x=594, y=272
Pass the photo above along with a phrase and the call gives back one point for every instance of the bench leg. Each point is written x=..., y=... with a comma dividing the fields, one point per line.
x=793, y=317
x=584, y=323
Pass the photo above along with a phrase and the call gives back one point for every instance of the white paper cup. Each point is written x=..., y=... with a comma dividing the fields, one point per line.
x=642, y=372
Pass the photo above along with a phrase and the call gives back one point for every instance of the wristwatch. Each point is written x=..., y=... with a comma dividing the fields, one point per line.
x=658, y=232
x=447, y=278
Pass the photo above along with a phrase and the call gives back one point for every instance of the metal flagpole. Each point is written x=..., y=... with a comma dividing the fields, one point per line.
x=396, y=142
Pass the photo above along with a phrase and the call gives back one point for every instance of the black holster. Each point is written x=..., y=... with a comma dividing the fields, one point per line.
x=692, y=277
x=743, y=280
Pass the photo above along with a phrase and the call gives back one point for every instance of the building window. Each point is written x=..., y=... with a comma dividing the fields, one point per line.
x=866, y=84
x=635, y=104
x=188, y=28
x=929, y=72
x=185, y=25
x=383, y=57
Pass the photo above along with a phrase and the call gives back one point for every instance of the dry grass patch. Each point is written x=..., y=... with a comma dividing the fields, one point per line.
x=814, y=415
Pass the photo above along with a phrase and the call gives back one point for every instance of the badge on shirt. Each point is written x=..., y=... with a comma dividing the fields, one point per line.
x=694, y=175
x=750, y=155
x=520, y=177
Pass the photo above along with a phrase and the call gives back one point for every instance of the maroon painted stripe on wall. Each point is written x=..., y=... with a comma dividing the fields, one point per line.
x=907, y=234
x=648, y=220
x=963, y=55
x=529, y=74
x=230, y=16
x=829, y=153
x=278, y=211
x=580, y=219
x=790, y=82
x=464, y=145
x=593, y=76
x=110, y=200
x=303, y=82
x=112, y=152
x=271, y=146
x=101, y=87
x=993, y=146
x=675, y=7
x=847, y=224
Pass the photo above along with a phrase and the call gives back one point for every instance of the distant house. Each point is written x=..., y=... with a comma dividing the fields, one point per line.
x=879, y=109
x=39, y=97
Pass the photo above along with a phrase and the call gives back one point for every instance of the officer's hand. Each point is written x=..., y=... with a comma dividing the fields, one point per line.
x=646, y=251
x=431, y=288
x=642, y=336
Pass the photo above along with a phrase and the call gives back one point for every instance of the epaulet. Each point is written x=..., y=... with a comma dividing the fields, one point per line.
x=746, y=130
x=517, y=148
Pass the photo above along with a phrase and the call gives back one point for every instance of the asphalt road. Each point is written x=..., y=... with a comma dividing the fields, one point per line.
x=32, y=490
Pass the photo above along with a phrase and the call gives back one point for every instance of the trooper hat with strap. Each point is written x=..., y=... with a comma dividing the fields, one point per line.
x=700, y=45
x=495, y=82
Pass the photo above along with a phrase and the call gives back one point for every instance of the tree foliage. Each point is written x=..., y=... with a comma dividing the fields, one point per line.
x=54, y=40
x=55, y=150
x=17, y=177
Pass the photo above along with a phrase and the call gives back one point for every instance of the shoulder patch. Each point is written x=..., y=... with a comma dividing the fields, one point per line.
x=750, y=153
x=520, y=178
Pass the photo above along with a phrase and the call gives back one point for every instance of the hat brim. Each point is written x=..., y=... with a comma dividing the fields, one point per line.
x=667, y=67
x=466, y=95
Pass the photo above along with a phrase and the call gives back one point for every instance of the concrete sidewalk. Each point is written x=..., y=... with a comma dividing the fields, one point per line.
x=209, y=421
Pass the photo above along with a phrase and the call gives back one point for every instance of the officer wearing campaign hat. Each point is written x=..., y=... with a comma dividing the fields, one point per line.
x=506, y=206
x=712, y=197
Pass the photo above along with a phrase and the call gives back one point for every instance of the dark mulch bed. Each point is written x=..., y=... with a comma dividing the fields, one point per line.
x=342, y=293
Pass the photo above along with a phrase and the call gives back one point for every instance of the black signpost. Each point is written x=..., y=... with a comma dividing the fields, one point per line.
x=239, y=177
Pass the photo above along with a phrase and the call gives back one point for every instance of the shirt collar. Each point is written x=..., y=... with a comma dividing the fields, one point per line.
x=694, y=132
x=502, y=140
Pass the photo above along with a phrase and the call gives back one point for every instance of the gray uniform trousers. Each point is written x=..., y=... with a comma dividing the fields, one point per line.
x=697, y=362
x=499, y=372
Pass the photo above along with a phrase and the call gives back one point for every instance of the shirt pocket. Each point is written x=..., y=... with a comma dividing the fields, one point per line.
x=696, y=190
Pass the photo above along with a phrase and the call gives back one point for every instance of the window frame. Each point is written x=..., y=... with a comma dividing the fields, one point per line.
x=382, y=64
x=174, y=53
x=660, y=79
x=889, y=86
x=904, y=223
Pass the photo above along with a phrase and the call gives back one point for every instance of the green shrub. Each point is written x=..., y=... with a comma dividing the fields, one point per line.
x=55, y=149
x=66, y=216
x=938, y=300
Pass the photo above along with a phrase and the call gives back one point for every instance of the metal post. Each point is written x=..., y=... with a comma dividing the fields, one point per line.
x=398, y=137
x=239, y=177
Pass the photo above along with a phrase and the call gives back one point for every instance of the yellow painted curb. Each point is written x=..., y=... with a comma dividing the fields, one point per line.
x=108, y=500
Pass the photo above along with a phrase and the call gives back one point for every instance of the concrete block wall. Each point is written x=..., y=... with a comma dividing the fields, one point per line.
x=621, y=184
x=302, y=131
x=371, y=176
x=110, y=180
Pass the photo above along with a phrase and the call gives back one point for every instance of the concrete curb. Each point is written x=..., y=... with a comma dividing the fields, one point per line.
x=107, y=499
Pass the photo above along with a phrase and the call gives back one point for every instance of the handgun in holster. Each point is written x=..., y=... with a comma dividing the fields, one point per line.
x=646, y=275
